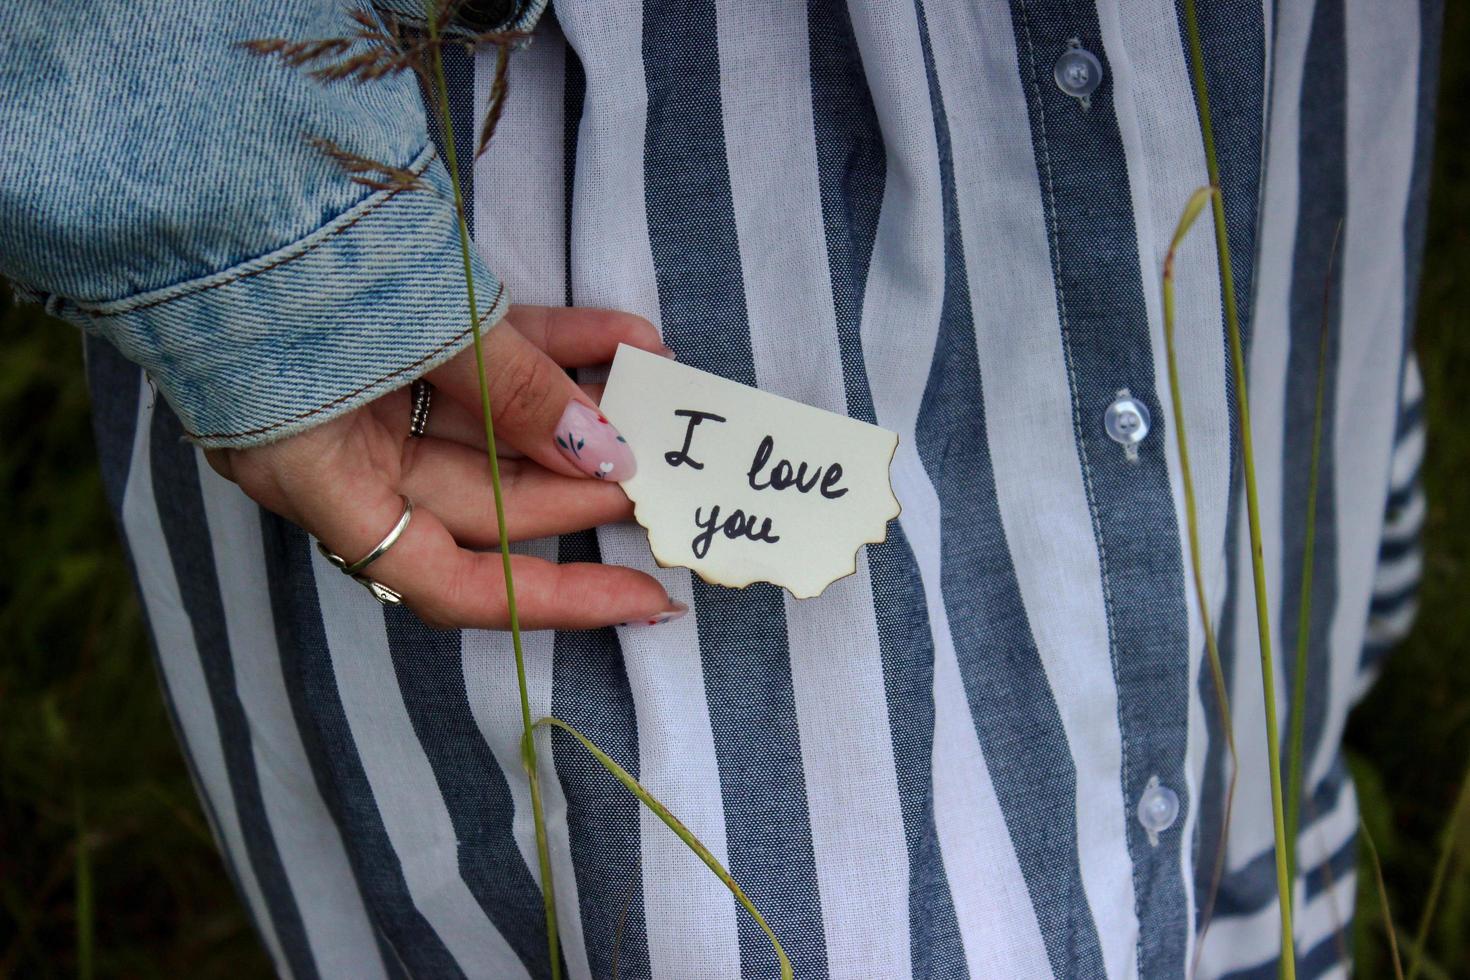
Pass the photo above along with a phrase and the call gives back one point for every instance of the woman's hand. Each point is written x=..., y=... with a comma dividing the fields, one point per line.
x=341, y=480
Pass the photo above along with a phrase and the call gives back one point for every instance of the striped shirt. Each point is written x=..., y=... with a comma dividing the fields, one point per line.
x=890, y=210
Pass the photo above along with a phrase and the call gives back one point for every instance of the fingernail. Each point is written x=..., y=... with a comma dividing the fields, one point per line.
x=676, y=611
x=589, y=441
x=668, y=352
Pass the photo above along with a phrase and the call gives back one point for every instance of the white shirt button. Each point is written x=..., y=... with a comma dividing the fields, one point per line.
x=1158, y=808
x=1078, y=73
x=1127, y=420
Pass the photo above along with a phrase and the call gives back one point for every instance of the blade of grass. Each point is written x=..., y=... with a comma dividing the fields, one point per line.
x=1458, y=817
x=1192, y=209
x=528, y=744
x=1419, y=959
x=683, y=833
x=1295, y=776
x=1252, y=501
x=1393, y=943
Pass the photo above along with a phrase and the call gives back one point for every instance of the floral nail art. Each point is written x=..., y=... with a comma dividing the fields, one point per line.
x=593, y=445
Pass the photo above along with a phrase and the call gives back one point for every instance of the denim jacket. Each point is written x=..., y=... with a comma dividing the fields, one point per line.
x=158, y=187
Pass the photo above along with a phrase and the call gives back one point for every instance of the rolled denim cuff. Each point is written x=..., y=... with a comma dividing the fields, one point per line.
x=288, y=340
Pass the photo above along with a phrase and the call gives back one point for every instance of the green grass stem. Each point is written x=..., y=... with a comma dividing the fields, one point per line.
x=1295, y=774
x=1192, y=210
x=1418, y=960
x=1458, y=817
x=1252, y=500
x=1393, y=943
x=528, y=744
x=683, y=832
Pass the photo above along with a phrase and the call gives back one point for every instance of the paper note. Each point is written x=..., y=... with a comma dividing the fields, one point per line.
x=744, y=486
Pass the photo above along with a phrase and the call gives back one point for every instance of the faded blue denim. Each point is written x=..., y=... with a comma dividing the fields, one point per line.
x=157, y=187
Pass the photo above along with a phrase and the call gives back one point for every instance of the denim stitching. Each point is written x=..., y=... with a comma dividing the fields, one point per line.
x=244, y=433
x=122, y=307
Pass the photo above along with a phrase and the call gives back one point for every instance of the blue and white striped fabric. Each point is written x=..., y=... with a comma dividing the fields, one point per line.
x=887, y=209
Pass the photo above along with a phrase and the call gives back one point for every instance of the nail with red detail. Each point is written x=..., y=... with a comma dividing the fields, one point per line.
x=591, y=443
x=676, y=611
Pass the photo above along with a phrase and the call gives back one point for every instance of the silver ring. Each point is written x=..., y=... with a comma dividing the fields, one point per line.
x=382, y=593
x=421, y=394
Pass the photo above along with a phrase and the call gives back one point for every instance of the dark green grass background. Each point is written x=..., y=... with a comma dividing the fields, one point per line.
x=98, y=821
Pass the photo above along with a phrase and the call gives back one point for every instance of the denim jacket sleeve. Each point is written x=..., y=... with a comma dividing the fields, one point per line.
x=158, y=186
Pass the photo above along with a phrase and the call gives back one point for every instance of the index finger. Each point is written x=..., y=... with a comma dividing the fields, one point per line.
x=538, y=409
x=579, y=336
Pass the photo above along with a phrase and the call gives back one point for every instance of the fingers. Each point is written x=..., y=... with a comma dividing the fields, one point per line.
x=450, y=420
x=452, y=587
x=537, y=408
x=454, y=482
x=340, y=481
x=581, y=337
x=576, y=596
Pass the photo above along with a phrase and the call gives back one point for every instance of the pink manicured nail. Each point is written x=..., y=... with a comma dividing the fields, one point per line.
x=677, y=610
x=589, y=440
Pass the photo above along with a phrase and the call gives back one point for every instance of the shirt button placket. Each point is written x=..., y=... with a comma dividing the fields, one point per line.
x=1129, y=491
